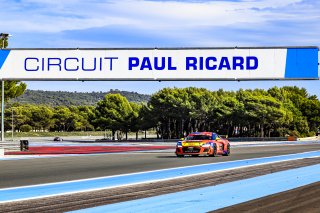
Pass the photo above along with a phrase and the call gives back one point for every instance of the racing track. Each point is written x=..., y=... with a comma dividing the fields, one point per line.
x=96, y=200
x=21, y=172
x=55, y=169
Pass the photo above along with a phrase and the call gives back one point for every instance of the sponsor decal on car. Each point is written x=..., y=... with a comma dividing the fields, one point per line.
x=192, y=144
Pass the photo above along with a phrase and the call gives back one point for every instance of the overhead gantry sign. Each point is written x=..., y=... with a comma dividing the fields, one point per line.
x=276, y=63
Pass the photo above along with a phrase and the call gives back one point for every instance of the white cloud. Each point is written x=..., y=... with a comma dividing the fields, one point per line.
x=129, y=23
x=190, y=23
x=57, y=16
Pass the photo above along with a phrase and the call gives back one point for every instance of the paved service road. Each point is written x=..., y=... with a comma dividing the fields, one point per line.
x=46, y=170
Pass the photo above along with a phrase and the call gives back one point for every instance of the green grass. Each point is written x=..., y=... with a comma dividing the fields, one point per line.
x=8, y=135
x=52, y=134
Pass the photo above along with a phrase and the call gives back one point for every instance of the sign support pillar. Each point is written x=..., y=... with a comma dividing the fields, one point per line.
x=2, y=110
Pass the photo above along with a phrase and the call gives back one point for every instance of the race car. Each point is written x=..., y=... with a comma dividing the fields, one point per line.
x=203, y=143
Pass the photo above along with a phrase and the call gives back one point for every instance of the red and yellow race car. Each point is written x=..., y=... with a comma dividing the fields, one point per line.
x=203, y=143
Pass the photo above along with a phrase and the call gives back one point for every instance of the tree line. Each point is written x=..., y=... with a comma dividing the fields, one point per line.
x=244, y=113
x=63, y=98
x=175, y=112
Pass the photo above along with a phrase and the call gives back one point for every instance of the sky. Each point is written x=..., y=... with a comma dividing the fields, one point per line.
x=161, y=23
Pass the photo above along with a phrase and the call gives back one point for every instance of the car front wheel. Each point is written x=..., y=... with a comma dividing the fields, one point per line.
x=214, y=152
x=227, y=153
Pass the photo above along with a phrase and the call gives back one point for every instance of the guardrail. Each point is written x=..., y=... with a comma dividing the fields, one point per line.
x=248, y=139
x=233, y=139
x=139, y=140
x=8, y=146
x=22, y=145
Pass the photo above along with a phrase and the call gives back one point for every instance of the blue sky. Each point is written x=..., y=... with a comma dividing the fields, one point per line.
x=141, y=23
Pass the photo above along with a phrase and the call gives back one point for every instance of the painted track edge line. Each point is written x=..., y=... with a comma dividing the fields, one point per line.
x=145, y=182
x=158, y=170
x=202, y=196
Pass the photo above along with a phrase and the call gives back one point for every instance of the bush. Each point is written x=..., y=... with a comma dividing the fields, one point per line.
x=25, y=128
x=295, y=134
x=311, y=134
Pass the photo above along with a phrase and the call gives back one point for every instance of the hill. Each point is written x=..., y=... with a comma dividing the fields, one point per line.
x=63, y=98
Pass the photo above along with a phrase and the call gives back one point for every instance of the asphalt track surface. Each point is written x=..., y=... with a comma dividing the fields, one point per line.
x=111, y=196
x=47, y=170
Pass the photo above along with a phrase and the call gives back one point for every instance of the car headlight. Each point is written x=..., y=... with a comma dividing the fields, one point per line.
x=179, y=144
x=206, y=145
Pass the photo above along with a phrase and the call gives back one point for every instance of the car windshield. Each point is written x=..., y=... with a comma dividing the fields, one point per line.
x=199, y=137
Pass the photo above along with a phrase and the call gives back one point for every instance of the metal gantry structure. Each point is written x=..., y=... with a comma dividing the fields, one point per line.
x=4, y=37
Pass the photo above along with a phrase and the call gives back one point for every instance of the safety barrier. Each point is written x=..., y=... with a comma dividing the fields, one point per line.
x=9, y=146
x=22, y=145
x=233, y=139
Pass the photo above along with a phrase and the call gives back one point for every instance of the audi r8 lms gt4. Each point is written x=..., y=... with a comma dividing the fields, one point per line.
x=203, y=143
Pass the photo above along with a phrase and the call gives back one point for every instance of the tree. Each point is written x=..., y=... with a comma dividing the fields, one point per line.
x=13, y=89
x=178, y=112
x=41, y=117
x=88, y=115
x=114, y=113
x=21, y=116
x=135, y=119
x=175, y=112
x=170, y=108
x=62, y=118
x=146, y=119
